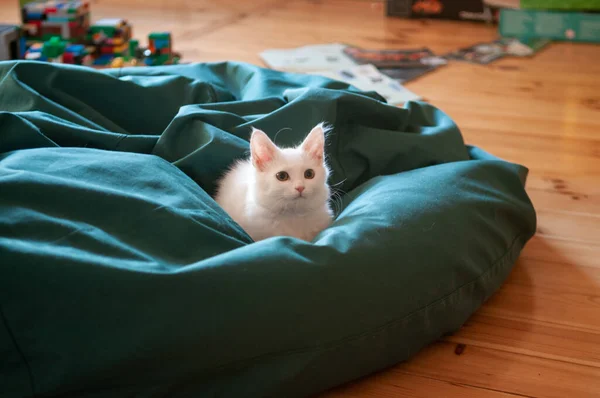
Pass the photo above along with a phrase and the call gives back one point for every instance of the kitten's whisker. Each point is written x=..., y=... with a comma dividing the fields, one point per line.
x=339, y=183
x=337, y=202
x=338, y=190
x=277, y=133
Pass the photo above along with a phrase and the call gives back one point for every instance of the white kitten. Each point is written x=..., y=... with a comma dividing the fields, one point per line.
x=279, y=191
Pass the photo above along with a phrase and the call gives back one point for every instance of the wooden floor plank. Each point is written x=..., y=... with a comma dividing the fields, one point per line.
x=563, y=251
x=557, y=275
x=549, y=162
x=565, y=200
x=499, y=370
x=571, y=226
x=520, y=302
x=514, y=121
x=481, y=368
x=532, y=338
x=583, y=148
x=566, y=184
x=403, y=385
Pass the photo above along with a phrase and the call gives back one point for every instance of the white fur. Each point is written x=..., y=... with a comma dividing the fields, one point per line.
x=264, y=206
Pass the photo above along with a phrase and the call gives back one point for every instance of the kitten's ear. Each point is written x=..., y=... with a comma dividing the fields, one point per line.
x=314, y=143
x=263, y=150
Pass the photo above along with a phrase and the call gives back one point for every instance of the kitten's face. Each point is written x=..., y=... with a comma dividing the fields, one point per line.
x=290, y=179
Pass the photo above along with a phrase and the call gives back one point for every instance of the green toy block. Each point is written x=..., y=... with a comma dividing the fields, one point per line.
x=161, y=59
x=133, y=46
x=108, y=26
x=48, y=36
x=107, y=30
x=159, y=36
x=561, y=4
x=53, y=47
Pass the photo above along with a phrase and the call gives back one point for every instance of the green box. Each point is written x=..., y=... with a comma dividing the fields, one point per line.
x=556, y=25
x=561, y=4
x=159, y=36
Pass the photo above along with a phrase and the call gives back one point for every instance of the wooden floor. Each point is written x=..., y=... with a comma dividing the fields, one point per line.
x=539, y=336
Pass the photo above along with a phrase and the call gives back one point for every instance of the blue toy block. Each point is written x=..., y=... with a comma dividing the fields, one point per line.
x=22, y=47
x=104, y=59
x=75, y=48
x=36, y=16
x=160, y=44
x=57, y=19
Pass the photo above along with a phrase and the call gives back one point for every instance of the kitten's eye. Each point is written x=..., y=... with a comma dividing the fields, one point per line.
x=309, y=174
x=282, y=176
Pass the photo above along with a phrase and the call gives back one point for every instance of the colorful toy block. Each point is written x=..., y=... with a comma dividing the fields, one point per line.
x=34, y=53
x=77, y=54
x=159, y=42
x=47, y=18
x=60, y=31
x=53, y=48
x=57, y=50
x=111, y=37
x=110, y=28
x=103, y=60
x=160, y=50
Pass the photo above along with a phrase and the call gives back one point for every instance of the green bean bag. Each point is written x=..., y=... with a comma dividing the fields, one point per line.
x=120, y=276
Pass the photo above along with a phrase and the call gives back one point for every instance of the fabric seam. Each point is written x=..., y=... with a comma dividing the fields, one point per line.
x=501, y=260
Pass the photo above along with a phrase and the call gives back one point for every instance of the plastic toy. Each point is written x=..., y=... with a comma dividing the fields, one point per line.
x=43, y=20
x=60, y=31
x=111, y=36
x=77, y=54
x=56, y=50
x=110, y=39
x=160, y=50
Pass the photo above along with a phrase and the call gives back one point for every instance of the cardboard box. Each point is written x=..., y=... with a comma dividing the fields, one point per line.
x=472, y=10
x=556, y=25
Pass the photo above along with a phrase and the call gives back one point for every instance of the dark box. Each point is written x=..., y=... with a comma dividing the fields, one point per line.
x=471, y=10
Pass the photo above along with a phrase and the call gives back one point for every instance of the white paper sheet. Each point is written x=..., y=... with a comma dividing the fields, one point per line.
x=368, y=78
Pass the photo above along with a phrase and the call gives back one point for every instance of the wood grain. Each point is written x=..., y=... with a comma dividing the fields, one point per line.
x=539, y=336
x=405, y=385
x=493, y=369
x=574, y=254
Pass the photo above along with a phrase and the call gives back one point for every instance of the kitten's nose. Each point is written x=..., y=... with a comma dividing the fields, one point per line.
x=300, y=189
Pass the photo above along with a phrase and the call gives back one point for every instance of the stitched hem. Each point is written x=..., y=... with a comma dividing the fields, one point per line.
x=508, y=255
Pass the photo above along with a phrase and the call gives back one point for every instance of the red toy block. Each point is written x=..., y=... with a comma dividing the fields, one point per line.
x=107, y=50
x=37, y=25
x=68, y=58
